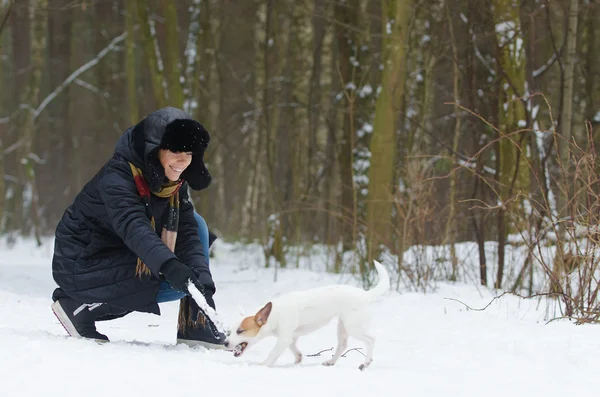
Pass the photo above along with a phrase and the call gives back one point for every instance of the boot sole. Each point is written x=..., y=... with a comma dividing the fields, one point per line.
x=196, y=343
x=63, y=319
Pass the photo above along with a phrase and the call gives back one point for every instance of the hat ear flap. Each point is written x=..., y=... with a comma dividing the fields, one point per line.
x=196, y=174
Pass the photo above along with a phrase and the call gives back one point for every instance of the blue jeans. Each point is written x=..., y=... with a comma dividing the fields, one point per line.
x=165, y=292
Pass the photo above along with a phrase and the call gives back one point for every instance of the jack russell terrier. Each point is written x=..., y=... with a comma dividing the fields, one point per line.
x=299, y=313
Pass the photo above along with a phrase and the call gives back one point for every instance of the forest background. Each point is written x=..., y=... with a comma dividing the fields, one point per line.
x=442, y=136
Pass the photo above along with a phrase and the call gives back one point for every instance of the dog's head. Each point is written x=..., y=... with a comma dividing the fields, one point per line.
x=247, y=331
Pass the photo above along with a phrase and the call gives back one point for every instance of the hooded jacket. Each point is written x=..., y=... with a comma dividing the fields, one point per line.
x=106, y=228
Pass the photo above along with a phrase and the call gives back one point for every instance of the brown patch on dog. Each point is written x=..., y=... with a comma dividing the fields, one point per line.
x=248, y=327
x=251, y=325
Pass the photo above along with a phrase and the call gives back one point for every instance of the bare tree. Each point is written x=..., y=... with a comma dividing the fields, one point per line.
x=383, y=141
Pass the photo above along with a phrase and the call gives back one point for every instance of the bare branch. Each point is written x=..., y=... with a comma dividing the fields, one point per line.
x=542, y=69
x=319, y=353
x=353, y=349
x=14, y=146
x=92, y=88
x=500, y=296
x=76, y=74
x=5, y=19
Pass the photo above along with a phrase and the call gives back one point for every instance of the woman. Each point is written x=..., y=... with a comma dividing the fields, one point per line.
x=131, y=238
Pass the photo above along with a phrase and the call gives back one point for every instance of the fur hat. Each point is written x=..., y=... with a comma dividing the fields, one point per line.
x=185, y=135
x=171, y=129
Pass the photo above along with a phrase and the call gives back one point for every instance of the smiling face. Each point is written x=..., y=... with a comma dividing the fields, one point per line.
x=174, y=163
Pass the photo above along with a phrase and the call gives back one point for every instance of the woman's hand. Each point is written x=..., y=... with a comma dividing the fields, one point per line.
x=179, y=275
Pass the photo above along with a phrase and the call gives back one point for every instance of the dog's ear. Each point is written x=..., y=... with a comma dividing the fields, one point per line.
x=263, y=314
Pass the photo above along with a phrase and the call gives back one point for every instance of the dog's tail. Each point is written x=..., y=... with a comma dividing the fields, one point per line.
x=384, y=282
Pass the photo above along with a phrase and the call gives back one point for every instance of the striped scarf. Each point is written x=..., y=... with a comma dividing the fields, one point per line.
x=171, y=221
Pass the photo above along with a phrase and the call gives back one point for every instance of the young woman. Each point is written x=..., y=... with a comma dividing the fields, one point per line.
x=131, y=238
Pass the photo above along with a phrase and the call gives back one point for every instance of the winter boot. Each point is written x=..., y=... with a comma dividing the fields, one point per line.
x=194, y=328
x=79, y=319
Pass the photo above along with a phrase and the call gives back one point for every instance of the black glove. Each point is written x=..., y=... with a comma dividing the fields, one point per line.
x=211, y=238
x=178, y=275
x=209, y=299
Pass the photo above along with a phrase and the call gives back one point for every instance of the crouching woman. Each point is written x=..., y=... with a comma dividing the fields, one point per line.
x=131, y=238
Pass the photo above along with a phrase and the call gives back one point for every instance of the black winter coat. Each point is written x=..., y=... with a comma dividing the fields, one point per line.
x=106, y=228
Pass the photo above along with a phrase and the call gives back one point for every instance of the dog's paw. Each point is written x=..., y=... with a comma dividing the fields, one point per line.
x=364, y=366
x=329, y=363
x=298, y=358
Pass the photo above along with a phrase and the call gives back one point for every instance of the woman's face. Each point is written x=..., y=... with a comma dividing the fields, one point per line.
x=174, y=163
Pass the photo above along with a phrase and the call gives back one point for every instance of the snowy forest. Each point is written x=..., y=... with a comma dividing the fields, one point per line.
x=456, y=138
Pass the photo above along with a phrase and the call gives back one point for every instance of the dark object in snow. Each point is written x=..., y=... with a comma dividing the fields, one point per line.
x=79, y=319
x=195, y=328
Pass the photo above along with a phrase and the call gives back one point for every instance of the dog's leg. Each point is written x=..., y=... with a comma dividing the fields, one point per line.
x=358, y=326
x=369, y=342
x=296, y=351
x=342, y=335
x=280, y=346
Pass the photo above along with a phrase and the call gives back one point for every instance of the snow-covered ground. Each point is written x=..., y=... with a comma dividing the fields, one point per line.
x=426, y=345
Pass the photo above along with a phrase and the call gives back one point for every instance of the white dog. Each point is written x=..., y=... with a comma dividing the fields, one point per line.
x=299, y=313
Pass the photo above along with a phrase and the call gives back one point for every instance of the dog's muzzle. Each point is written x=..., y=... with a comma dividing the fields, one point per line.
x=239, y=349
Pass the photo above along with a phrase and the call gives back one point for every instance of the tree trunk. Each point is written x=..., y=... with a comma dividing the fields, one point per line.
x=5, y=112
x=271, y=111
x=191, y=55
x=85, y=139
x=566, y=115
x=236, y=83
x=314, y=95
x=479, y=224
x=130, y=63
x=20, y=25
x=511, y=83
x=565, y=140
x=93, y=143
x=33, y=97
x=348, y=45
x=449, y=238
x=383, y=140
x=172, y=61
x=57, y=140
x=252, y=208
x=151, y=51
x=204, y=104
x=592, y=86
x=285, y=128
x=334, y=214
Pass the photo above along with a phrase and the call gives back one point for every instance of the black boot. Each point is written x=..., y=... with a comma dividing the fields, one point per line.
x=194, y=328
x=79, y=319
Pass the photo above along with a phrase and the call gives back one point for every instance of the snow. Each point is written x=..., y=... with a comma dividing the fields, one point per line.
x=427, y=344
x=365, y=91
x=504, y=28
x=351, y=86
